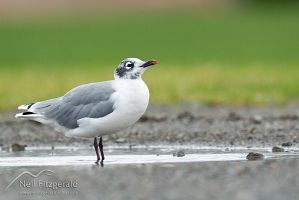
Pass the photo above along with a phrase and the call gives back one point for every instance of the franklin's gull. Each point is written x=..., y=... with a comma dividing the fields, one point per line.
x=96, y=109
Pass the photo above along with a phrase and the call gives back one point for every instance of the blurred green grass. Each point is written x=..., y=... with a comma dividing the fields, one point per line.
x=209, y=84
x=236, y=58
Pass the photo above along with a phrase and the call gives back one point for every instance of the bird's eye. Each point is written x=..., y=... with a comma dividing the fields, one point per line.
x=129, y=65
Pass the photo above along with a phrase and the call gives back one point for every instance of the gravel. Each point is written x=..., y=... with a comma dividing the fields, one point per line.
x=181, y=124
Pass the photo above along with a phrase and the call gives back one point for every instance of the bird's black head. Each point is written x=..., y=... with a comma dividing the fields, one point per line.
x=132, y=68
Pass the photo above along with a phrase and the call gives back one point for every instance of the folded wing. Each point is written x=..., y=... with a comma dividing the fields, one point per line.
x=86, y=101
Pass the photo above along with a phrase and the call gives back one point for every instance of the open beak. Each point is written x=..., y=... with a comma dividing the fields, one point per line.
x=149, y=63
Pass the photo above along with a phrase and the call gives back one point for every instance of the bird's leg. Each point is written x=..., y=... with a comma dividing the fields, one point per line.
x=101, y=150
x=96, y=148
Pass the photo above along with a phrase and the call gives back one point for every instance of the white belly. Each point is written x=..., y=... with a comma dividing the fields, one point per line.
x=131, y=100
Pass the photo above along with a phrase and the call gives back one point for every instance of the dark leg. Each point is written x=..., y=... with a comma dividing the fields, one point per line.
x=96, y=148
x=101, y=150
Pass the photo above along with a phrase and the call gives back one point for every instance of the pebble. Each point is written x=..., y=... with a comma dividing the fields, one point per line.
x=185, y=115
x=287, y=144
x=257, y=119
x=18, y=147
x=277, y=149
x=179, y=153
x=255, y=156
x=120, y=140
x=234, y=116
x=157, y=118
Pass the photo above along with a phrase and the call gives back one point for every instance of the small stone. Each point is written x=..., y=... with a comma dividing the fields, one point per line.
x=253, y=130
x=157, y=118
x=179, y=153
x=234, y=116
x=257, y=119
x=185, y=115
x=289, y=117
x=120, y=140
x=277, y=149
x=131, y=146
x=287, y=144
x=255, y=156
x=18, y=147
x=181, y=135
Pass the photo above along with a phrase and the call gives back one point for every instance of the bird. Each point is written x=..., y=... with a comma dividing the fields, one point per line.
x=96, y=109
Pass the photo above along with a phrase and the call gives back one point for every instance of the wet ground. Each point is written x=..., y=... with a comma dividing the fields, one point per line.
x=174, y=152
x=122, y=155
x=150, y=172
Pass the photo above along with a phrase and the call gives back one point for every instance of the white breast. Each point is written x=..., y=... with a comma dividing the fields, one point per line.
x=131, y=100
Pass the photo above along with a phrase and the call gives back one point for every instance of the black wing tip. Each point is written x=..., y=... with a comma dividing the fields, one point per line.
x=28, y=113
x=29, y=105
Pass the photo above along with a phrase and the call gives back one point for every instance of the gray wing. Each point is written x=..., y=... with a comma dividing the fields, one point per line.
x=90, y=100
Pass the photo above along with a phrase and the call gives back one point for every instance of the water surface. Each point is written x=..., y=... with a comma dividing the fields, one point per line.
x=118, y=155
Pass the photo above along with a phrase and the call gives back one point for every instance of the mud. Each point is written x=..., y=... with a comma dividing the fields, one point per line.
x=181, y=124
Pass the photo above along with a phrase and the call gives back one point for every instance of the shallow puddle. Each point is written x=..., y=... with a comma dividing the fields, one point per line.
x=117, y=155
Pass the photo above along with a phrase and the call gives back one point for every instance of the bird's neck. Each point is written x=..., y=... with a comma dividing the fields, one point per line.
x=128, y=79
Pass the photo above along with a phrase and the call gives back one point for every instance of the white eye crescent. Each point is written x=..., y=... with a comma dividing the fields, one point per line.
x=129, y=65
